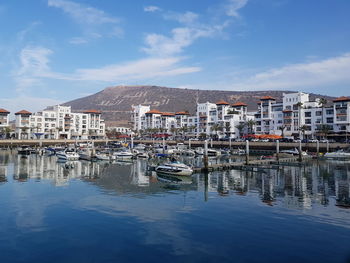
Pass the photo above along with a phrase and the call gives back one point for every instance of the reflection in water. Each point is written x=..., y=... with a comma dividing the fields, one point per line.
x=106, y=206
x=294, y=186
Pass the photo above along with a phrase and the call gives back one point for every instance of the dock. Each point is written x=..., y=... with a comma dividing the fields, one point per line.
x=254, y=165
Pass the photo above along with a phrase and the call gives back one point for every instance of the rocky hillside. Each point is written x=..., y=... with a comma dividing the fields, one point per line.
x=115, y=102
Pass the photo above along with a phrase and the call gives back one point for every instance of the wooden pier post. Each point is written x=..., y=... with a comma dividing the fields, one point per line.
x=230, y=142
x=277, y=150
x=205, y=156
x=327, y=145
x=300, y=152
x=189, y=143
x=163, y=145
x=317, y=148
x=211, y=143
x=246, y=152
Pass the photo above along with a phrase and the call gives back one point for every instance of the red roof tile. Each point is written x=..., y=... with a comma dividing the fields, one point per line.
x=267, y=98
x=222, y=102
x=23, y=112
x=168, y=114
x=153, y=112
x=239, y=104
x=343, y=98
x=4, y=111
x=182, y=113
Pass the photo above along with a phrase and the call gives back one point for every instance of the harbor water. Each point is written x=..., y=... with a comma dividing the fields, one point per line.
x=116, y=212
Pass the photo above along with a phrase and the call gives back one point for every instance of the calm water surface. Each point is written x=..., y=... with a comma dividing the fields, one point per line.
x=100, y=212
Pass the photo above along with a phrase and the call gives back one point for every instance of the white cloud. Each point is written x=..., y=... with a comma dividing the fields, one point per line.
x=78, y=40
x=95, y=22
x=136, y=70
x=83, y=14
x=34, y=66
x=184, y=18
x=151, y=8
x=322, y=74
x=233, y=6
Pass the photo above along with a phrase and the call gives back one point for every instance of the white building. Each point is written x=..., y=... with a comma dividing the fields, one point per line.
x=59, y=122
x=4, y=121
x=298, y=117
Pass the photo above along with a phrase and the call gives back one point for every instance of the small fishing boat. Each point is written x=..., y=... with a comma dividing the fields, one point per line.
x=174, y=168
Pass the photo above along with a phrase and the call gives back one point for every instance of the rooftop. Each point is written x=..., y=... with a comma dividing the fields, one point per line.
x=239, y=104
x=343, y=98
x=23, y=112
x=222, y=102
x=4, y=111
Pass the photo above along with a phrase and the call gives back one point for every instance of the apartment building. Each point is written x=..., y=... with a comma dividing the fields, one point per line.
x=4, y=118
x=59, y=122
x=299, y=117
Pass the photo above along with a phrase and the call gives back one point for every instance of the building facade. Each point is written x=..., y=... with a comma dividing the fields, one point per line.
x=59, y=122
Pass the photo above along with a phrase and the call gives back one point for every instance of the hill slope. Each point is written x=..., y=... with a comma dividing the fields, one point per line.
x=115, y=102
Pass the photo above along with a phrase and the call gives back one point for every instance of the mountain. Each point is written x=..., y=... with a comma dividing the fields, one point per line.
x=115, y=102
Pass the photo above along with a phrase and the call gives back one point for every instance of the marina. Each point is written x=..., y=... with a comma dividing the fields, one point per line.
x=220, y=215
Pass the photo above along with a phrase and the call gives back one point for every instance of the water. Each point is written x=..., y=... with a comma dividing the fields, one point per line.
x=100, y=212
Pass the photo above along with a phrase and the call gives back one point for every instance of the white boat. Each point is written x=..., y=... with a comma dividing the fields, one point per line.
x=199, y=151
x=174, y=168
x=213, y=152
x=86, y=154
x=105, y=156
x=68, y=155
x=294, y=152
x=142, y=155
x=140, y=147
x=123, y=155
x=341, y=154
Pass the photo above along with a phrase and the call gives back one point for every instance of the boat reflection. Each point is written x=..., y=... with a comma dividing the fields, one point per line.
x=294, y=187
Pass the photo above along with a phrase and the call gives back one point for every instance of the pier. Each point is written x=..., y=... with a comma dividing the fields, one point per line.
x=254, y=165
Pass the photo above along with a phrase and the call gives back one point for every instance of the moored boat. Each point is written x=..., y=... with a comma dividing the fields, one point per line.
x=174, y=168
x=68, y=155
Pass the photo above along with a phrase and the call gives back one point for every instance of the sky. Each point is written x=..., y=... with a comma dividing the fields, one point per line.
x=53, y=51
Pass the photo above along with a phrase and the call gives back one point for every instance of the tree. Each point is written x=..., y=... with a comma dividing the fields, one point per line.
x=227, y=129
x=300, y=105
x=324, y=129
x=282, y=128
x=240, y=127
x=323, y=103
x=215, y=128
x=250, y=124
x=303, y=129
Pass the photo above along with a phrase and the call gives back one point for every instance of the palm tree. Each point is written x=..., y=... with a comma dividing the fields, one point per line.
x=250, y=124
x=240, y=127
x=216, y=127
x=227, y=129
x=303, y=129
x=323, y=103
x=282, y=127
x=325, y=129
x=300, y=105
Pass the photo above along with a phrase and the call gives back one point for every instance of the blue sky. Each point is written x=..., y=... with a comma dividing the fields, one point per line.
x=52, y=51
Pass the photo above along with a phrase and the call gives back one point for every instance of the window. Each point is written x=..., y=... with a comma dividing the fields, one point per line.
x=307, y=114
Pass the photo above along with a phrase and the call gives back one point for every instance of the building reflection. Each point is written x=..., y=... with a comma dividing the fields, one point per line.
x=295, y=187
